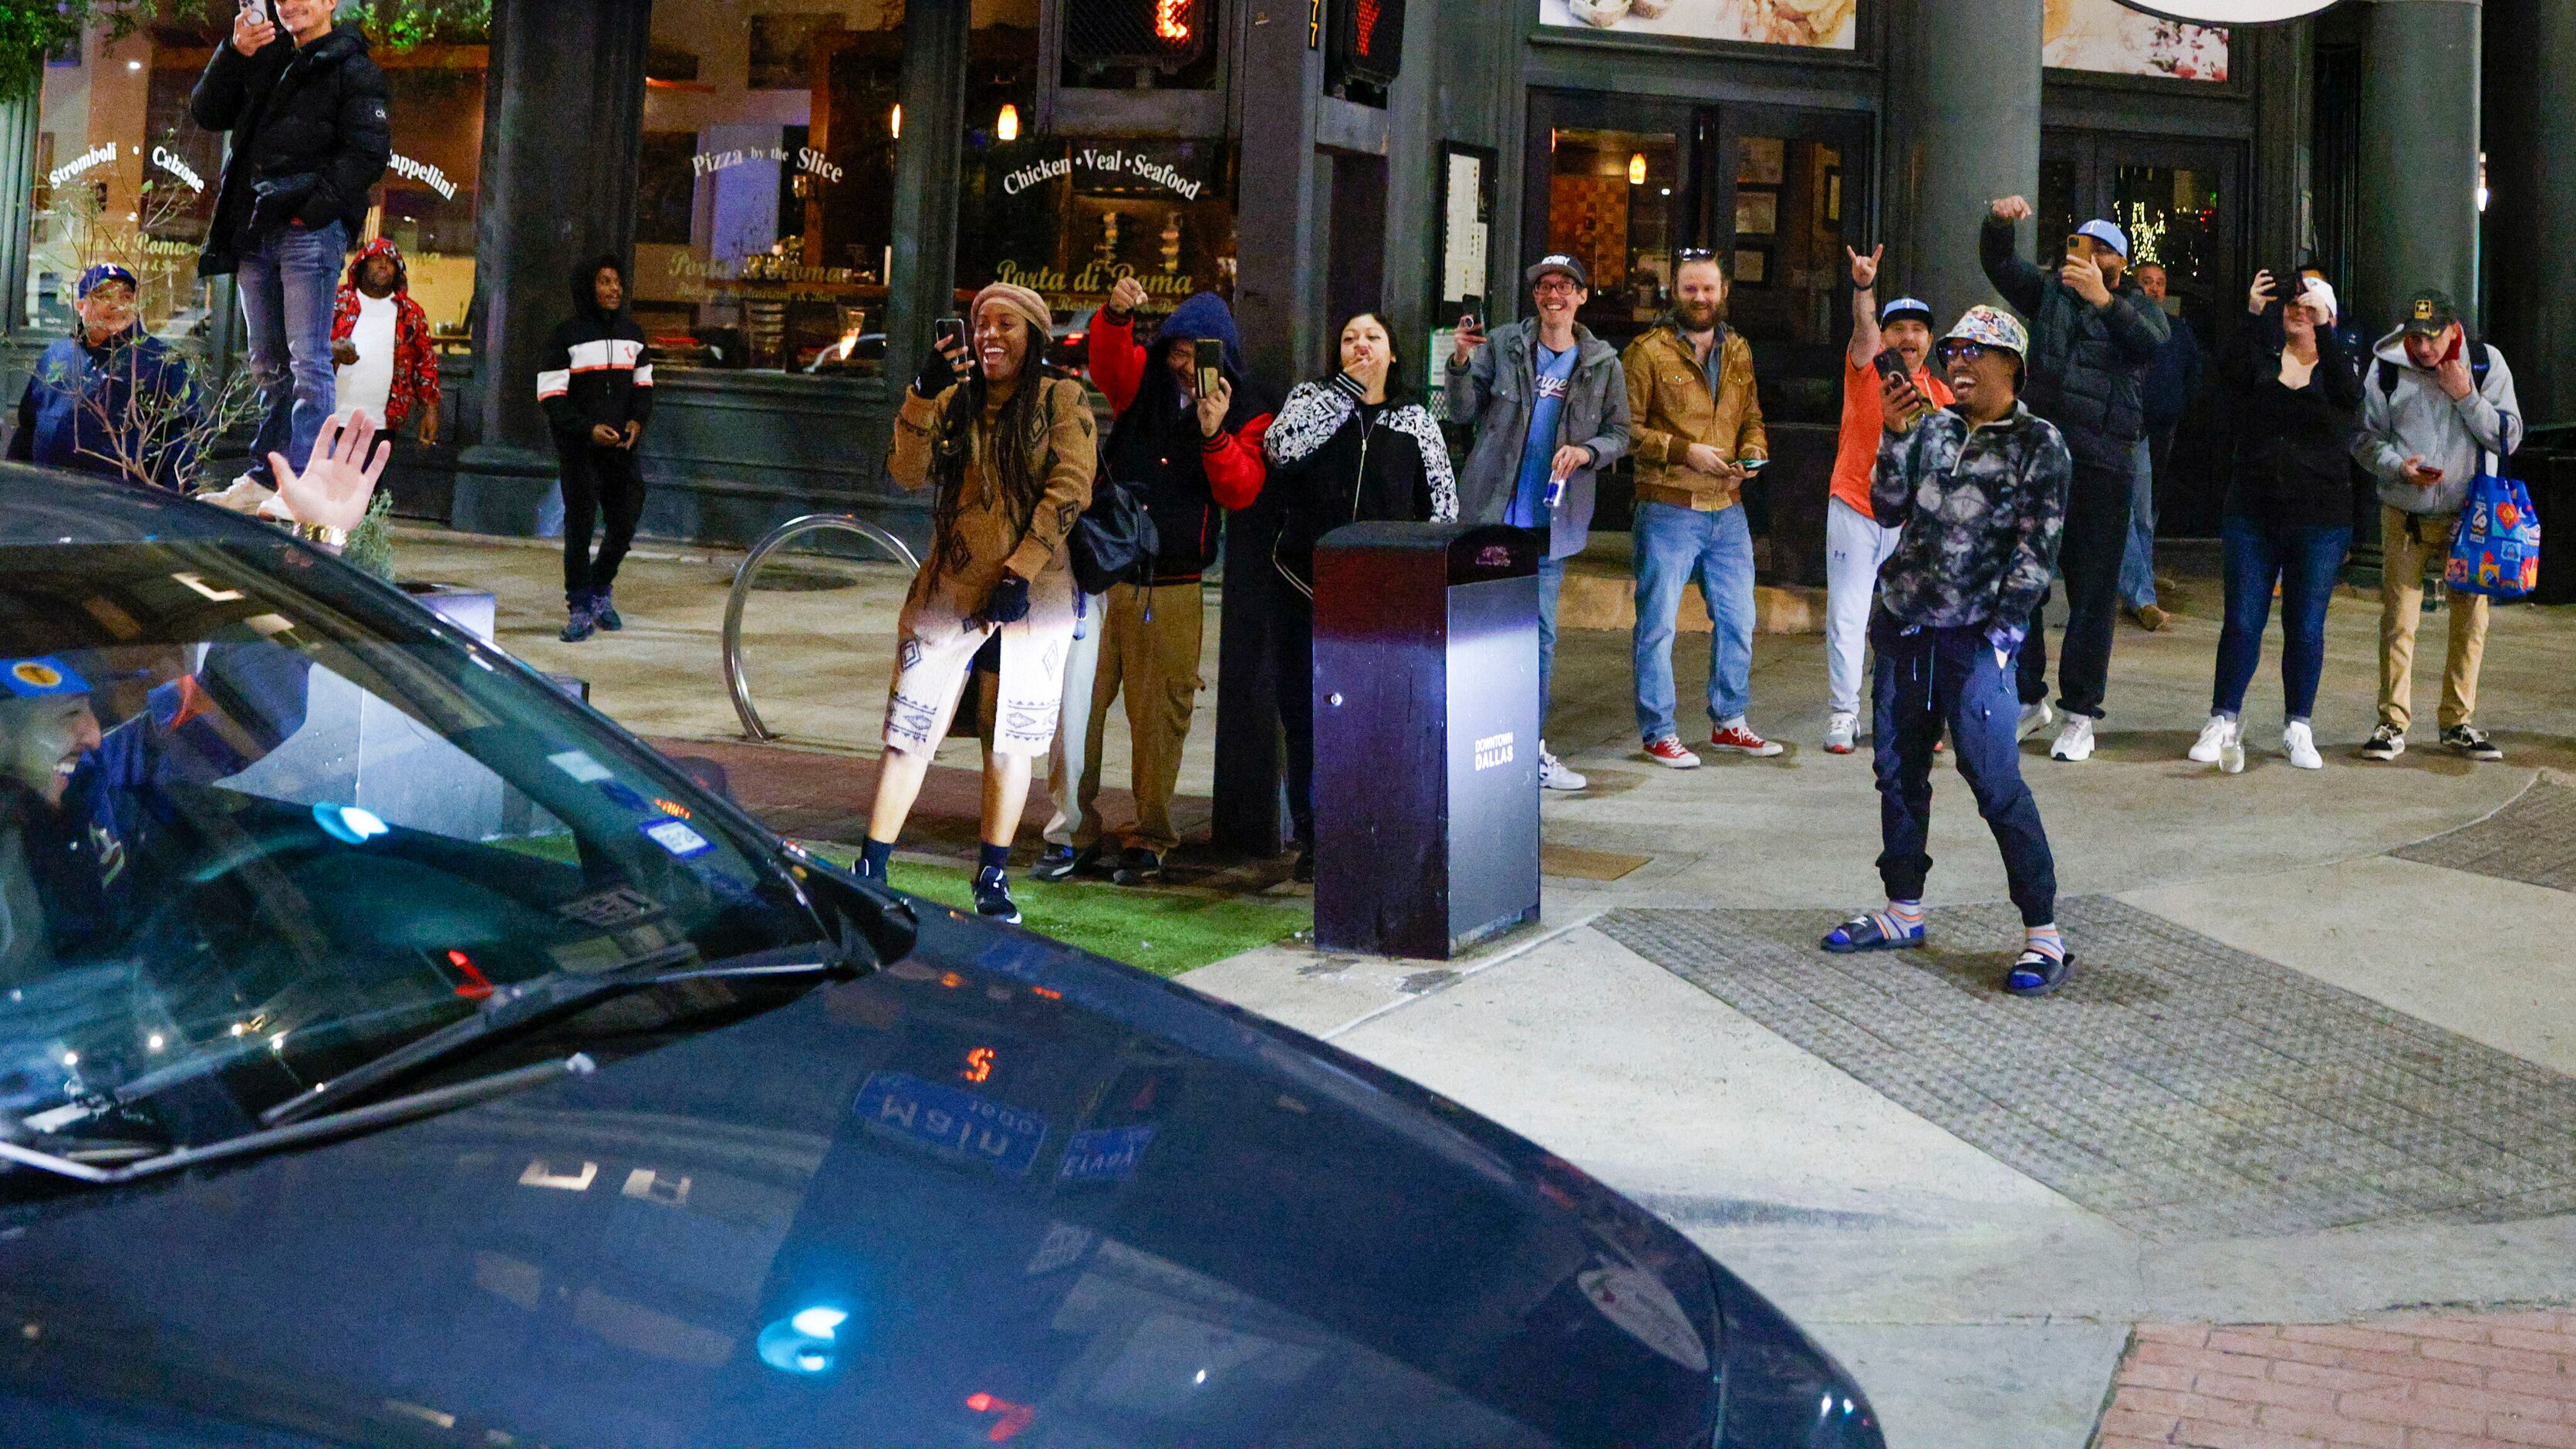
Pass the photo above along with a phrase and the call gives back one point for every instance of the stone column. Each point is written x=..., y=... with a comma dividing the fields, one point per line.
x=18, y=127
x=563, y=133
x=2418, y=182
x=921, y=287
x=1280, y=218
x=2531, y=167
x=1971, y=134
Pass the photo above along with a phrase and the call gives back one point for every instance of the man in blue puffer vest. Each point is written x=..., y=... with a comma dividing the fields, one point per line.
x=109, y=399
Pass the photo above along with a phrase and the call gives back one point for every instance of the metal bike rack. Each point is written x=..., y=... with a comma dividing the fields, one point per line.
x=777, y=539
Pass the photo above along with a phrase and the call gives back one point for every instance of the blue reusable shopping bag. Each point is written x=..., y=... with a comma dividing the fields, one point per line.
x=2497, y=549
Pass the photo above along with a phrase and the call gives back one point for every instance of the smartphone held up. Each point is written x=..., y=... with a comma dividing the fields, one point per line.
x=1891, y=369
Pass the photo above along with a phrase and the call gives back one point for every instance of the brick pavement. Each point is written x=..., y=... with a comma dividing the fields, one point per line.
x=2471, y=1381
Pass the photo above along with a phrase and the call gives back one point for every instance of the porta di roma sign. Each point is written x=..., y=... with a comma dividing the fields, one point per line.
x=2230, y=12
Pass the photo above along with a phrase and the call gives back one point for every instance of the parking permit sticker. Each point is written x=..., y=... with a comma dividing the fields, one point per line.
x=580, y=766
x=1105, y=1154
x=677, y=838
x=956, y=1125
x=623, y=797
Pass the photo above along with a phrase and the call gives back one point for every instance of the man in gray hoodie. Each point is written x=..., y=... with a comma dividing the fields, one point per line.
x=2434, y=409
x=1550, y=405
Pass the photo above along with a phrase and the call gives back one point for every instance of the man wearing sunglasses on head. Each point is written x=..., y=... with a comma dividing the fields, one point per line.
x=1978, y=494
x=2092, y=335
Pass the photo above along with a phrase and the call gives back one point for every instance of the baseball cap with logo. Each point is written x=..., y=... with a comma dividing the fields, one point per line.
x=40, y=677
x=2429, y=312
x=2108, y=233
x=102, y=274
x=1904, y=308
x=1558, y=262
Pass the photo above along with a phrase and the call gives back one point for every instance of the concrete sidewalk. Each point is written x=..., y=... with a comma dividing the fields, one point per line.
x=2316, y=1066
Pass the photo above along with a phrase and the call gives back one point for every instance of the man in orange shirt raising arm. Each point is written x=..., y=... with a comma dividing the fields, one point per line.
x=1855, y=545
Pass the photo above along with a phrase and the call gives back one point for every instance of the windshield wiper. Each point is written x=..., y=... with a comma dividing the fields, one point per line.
x=512, y=1009
x=377, y=1114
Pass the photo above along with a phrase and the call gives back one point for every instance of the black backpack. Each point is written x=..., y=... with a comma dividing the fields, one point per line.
x=1114, y=542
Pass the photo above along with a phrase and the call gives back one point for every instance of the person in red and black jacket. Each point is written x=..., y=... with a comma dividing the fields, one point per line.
x=1189, y=458
x=597, y=390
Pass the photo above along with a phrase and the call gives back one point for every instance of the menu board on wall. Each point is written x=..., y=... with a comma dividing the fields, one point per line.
x=2107, y=36
x=1818, y=24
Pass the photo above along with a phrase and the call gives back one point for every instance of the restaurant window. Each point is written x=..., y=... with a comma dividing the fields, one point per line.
x=765, y=199
x=124, y=174
x=1068, y=216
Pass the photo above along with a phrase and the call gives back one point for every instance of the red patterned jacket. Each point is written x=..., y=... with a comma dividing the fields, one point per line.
x=415, y=356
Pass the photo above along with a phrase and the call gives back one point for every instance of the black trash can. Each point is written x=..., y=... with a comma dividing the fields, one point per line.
x=2548, y=469
x=1426, y=736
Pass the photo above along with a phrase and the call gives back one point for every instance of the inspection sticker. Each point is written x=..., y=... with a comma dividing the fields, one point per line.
x=580, y=766
x=1105, y=1154
x=677, y=838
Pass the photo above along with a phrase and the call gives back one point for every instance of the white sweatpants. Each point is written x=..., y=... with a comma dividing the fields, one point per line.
x=1073, y=729
x=1855, y=548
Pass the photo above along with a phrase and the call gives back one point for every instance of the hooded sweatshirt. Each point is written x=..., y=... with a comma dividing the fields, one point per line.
x=2418, y=419
x=1156, y=445
x=415, y=383
x=598, y=368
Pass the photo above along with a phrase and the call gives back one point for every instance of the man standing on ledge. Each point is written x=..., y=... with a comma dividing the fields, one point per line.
x=1551, y=411
x=1698, y=436
x=310, y=135
x=1978, y=490
x=2092, y=334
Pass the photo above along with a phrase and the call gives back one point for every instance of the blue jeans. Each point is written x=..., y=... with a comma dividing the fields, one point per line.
x=1675, y=545
x=2306, y=562
x=1551, y=586
x=1924, y=681
x=2138, y=561
x=287, y=287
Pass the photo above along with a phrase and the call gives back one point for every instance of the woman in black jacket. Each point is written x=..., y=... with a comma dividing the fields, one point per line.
x=2289, y=509
x=1352, y=447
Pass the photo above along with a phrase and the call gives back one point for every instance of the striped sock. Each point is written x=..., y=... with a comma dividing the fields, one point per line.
x=1900, y=920
x=2045, y=941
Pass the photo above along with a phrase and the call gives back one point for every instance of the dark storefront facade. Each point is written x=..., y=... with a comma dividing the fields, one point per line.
x=805, y=185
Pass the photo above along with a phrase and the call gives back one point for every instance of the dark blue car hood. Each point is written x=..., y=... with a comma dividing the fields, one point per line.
x=998, y=1192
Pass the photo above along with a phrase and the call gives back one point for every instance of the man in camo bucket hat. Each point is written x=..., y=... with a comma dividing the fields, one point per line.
x=1978, y=492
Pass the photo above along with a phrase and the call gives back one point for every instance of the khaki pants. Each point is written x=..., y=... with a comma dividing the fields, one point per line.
x=2407, y=541
x=1156, y=662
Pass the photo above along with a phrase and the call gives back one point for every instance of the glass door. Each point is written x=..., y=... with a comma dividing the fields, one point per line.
x=2181, y=202
x=1612, y=188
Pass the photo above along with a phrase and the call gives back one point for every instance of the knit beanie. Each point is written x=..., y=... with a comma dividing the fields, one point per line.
x=1028, y=304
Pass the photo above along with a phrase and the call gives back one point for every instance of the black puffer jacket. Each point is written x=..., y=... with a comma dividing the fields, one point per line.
x=311, y=133
x=2086, y=365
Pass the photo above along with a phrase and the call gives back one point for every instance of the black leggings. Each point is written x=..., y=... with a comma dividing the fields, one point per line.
x=603, y=482
x=1292, y=645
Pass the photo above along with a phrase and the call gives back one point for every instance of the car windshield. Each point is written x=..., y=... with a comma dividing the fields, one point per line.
x=260, y=823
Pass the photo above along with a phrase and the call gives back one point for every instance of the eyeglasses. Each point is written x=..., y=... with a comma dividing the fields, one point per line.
x=1964, y=351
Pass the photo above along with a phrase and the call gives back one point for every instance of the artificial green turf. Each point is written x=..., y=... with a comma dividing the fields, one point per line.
x=1163, y=932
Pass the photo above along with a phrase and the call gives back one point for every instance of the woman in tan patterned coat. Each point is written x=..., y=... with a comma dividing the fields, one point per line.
x=1009, y=451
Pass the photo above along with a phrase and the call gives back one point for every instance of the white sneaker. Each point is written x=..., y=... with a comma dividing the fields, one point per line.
x=1552, y=773
x=1842, y=734
x=2034, y=718
x=2213, y=740
x=2299, y=742
x=2075, y=742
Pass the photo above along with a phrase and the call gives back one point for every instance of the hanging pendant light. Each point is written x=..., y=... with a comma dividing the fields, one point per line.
x=1637, y=168
x=1006, y=126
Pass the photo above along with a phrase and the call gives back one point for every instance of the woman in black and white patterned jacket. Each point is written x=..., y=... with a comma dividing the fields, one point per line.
x=1353, y=447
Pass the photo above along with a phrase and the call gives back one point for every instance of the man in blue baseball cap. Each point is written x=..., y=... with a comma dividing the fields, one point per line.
x=2092, y=335
x=109, y=399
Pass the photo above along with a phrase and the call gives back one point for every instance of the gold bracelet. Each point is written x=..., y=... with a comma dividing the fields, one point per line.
x=322, y=534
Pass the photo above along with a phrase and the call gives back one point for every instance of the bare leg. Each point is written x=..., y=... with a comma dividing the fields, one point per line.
x=1006, y=794
x=899, y=777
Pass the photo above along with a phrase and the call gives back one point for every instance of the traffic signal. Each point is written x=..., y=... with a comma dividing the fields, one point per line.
x=1162, y=35
x=1367, y=43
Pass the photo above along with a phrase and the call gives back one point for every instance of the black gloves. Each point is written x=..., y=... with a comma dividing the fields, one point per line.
x=937, y=374
x=1009, y=601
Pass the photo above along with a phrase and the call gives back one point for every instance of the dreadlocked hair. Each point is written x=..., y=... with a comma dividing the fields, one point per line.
x=1021, y=423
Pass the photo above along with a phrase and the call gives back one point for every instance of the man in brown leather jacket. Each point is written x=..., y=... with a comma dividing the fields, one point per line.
x=1696, y=436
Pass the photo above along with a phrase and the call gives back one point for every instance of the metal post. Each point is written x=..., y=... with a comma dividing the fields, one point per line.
x=2419, y=156
x=1975, y=92
x=927, y=157
x=2531, y=167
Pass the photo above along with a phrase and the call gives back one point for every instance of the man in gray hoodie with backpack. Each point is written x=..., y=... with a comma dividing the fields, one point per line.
x=2437, y=409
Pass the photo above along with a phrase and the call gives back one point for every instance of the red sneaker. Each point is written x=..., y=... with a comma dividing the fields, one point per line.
x=1673, y=754
x=1744, y=742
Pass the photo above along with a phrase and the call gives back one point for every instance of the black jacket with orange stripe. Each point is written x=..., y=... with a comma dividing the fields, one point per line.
x=598, y=366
